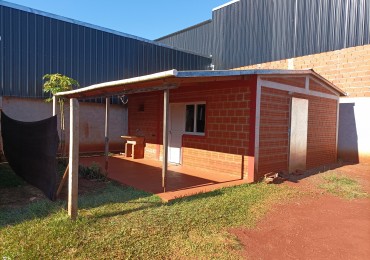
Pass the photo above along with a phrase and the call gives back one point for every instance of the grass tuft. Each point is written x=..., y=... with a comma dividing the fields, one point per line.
x=92, y=172
x=342, y=186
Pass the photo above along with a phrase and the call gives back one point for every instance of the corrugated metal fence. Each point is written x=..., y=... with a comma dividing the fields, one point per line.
x=32, y=45
x=250, y=31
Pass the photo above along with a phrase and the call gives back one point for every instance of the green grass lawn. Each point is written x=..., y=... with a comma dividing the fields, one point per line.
x=121, y=222
x=342, y=186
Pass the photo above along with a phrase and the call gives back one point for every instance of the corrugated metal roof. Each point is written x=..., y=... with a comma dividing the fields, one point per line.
x=172, y=78
x=97, y=27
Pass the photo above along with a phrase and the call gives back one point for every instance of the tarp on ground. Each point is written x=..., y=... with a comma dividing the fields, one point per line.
x=31, y=149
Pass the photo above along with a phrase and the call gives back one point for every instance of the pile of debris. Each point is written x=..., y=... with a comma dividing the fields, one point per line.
x=274, y=177
x=280, y=177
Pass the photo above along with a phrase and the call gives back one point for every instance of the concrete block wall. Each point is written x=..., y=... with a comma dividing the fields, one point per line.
x=92, y=118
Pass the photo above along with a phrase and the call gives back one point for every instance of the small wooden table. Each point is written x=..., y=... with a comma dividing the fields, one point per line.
x=134, y=146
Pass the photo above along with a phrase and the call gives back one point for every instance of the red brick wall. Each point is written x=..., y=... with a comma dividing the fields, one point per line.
x=322, y=125
x=274, y=125
x=228, y=109
x=228, y=138
x=145, y=119
x=348, y=68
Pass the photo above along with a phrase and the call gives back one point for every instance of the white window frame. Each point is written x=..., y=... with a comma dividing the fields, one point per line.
x=195, y=118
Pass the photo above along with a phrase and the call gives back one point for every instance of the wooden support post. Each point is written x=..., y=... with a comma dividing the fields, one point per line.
x=106, y=129
x=54, y=105
x=73, y=159
x=165, y=138
x=63, y=181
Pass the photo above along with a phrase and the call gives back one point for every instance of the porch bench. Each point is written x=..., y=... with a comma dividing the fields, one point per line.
x=134, y=146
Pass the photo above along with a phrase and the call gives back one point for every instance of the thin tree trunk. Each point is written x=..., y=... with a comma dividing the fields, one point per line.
x=62, y=130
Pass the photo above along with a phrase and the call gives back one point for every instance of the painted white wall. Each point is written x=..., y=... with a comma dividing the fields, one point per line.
x=92, y=117
x=354, y=129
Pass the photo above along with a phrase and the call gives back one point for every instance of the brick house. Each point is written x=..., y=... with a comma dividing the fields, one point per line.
x=348, y=69
x=332, y=37
x=242, y=122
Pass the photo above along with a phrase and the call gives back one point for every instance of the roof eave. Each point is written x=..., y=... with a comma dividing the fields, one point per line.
x=173, y=77
x=335, y=88
x=123, y=82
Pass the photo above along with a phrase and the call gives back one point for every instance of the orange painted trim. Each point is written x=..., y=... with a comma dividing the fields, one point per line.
x=252, y=133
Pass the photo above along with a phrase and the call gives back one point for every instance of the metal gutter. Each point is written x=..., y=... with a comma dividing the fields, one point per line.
x=92, y=26
x=221, y=73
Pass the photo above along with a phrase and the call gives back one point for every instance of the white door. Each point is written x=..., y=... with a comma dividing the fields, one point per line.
x=298, y=134
x=176, y=130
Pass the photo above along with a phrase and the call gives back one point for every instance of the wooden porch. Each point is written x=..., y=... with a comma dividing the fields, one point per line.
x=146, y=175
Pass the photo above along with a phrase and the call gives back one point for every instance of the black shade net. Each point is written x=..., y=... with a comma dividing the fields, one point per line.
x=31, y=150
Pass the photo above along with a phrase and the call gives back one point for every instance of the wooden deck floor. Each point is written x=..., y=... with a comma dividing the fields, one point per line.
x=146, y=175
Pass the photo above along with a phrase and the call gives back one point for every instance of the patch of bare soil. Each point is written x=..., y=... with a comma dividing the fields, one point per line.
x=84, y=186
x=314, y=226
x=19, y=196
x=22, y=195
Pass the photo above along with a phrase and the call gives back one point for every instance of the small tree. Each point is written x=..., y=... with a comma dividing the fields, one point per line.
x=58, y=83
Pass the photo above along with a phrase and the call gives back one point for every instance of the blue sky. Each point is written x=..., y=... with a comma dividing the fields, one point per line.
x=149, y=19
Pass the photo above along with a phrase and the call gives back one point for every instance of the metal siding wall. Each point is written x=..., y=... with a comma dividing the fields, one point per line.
x=33, y=45
x=268, y=30
x=251, y=32
x=198, y=39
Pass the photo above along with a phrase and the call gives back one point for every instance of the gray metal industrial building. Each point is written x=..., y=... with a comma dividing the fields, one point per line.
x=35, y=43
x=245, y=32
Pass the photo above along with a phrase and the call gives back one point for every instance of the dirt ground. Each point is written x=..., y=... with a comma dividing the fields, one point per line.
x=19, y=196
x=316, y=225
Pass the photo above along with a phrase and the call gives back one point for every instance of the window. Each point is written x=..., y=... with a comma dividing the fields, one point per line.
x=195, y=118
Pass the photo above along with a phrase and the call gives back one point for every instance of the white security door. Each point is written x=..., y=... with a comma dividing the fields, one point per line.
x=176, y=130
x=298, y=134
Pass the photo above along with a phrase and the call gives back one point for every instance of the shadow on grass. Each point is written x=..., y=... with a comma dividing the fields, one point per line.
x=198, y=196
x=298, y=176
x=112, y=193
x=8, y=178
x=128, y=211
x=39, y=209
